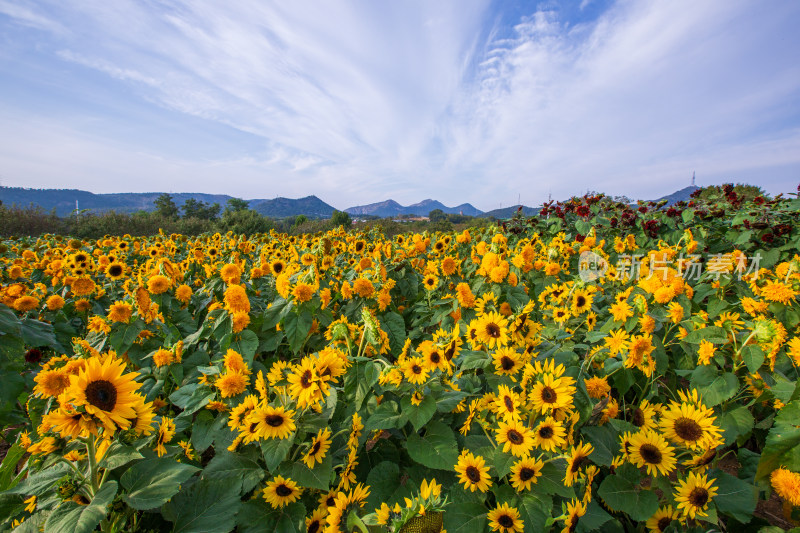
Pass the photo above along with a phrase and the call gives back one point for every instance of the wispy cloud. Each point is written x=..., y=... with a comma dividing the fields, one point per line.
x=361, y=101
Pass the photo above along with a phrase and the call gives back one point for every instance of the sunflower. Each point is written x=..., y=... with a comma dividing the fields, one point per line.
x=142, y=424
x=277, y=267
x=549, y=434
x=643, y=416
x=551, y=393
x=316, y=522
x=517, y=438
x=775, y=291
x=430, y=282
x=115, y=270
x=693, y=494
x=787, y=484
x=690, y=425
x=506, y=403
x=473, y=472
x=577, y=457
x=120, y=312
x=433, y=356
x=617, y=341
x=51, y=382
x=272, y=422
x=158, y=284
x=231, y=384
x=581, y=301
x=661, y=519
x=166, y=430
x=415, y=370
x=319, y=446
x=236, y=299
x=105, y=392
x=575, y=510
x=281, y=491
x=505, y=519
x=506, y=361
x=525, y=472
x=597, y=387
x=304, y=383
x=492, y=330
x=648, y=448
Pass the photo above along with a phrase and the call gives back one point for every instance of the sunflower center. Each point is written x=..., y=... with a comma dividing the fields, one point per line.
x=451, y=350
x=316, y=448
x=651, y=454
x=546, y=432
x=580, y=301
x=664, y=523
x=509, y=403
x=416, y=369
x=473, y=474
x=102, y=394
x=578, y=463
x=638, y=417
x=115, y=270
x=313, y=527
x=688, y=429
x=549, y=395
x=283, y=491
x=515, y=437
x=329, y=501
x=493, y=330
x=505, y=521
x=506, y=363
x=698, y=497
x=274, y=420
x=305, y=379
x=435, y=358
x=526, y=473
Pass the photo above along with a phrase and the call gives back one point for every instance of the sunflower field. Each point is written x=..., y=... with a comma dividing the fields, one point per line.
x=598, y=367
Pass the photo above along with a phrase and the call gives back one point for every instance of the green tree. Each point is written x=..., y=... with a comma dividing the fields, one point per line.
x=165, y=206
x=437, y=215
x=299, y=220
x=341, y=218
x=237, y=204
x=193, y=208
x=245, y=221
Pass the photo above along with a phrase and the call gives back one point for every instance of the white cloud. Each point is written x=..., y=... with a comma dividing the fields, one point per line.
x=361, y=101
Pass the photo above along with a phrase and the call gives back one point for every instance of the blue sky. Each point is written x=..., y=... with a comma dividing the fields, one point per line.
x=362, y=101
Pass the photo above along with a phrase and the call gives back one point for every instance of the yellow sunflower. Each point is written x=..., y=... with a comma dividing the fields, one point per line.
x=319, y=446
x=505, y=519
x=516, y=437
x=492, y=330
x=693, y=494
x=549, y=434
x=648, y=448
x=525, y=473
x=662, y=519
x=281, y=491
x=473, y=472
x=551, y=393
x=690, y=425
x=415, y=370
x=578, y=456
x=105, y=392
x=507, y=361
x=272, y=422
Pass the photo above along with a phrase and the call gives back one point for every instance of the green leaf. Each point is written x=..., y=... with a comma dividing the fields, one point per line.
x=395, y=327
x=622, y=495
x=205, y=428
x=782, y=447
x=191, y=398
x=150, y=483
x=386, y=485
x=736, y=423
x=69, y=516
x=124, y=335
x=714, y=387
x=41, y=482
x=318, y=477
x=713, y=334
x=503, y=462
x=275, y=451
x=297, y=326
x=257, y=516
x=8, y=468
x=119, y=455
x=246, y=344
x=471, y=360
x=605, y=441
x=11, y=505
x=436, y=449
x=753, y=357
x=227, y=465
x=552, y=480
x=734, y=497
x=465, y=518
x=594, y=518
x=535, y=510
x=419, y=415
x=205, y=507
x=36, y=333
x=386, y=416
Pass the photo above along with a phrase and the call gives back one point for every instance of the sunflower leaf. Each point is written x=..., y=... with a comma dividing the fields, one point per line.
x=783, y=442
x=419, y=415
x=465, y=518
x=150, y=483
x=622, y=495
x=70, y=516
x=208, y=506
x=436, y=449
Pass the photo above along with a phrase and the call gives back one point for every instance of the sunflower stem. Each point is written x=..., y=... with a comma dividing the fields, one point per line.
x=90, y=452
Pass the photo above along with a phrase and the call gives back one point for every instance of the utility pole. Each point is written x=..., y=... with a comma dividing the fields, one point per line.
x=693, y=178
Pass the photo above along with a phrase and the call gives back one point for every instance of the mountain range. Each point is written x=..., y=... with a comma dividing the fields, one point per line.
x=65, y=201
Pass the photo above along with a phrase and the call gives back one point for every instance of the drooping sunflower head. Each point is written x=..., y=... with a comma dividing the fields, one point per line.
x=578, y=457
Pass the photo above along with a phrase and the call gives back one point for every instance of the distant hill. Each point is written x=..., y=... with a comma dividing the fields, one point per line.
x=508, y=212
x=310, y=206
x=64, y=202
x=390, y=208
x=683, y=195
